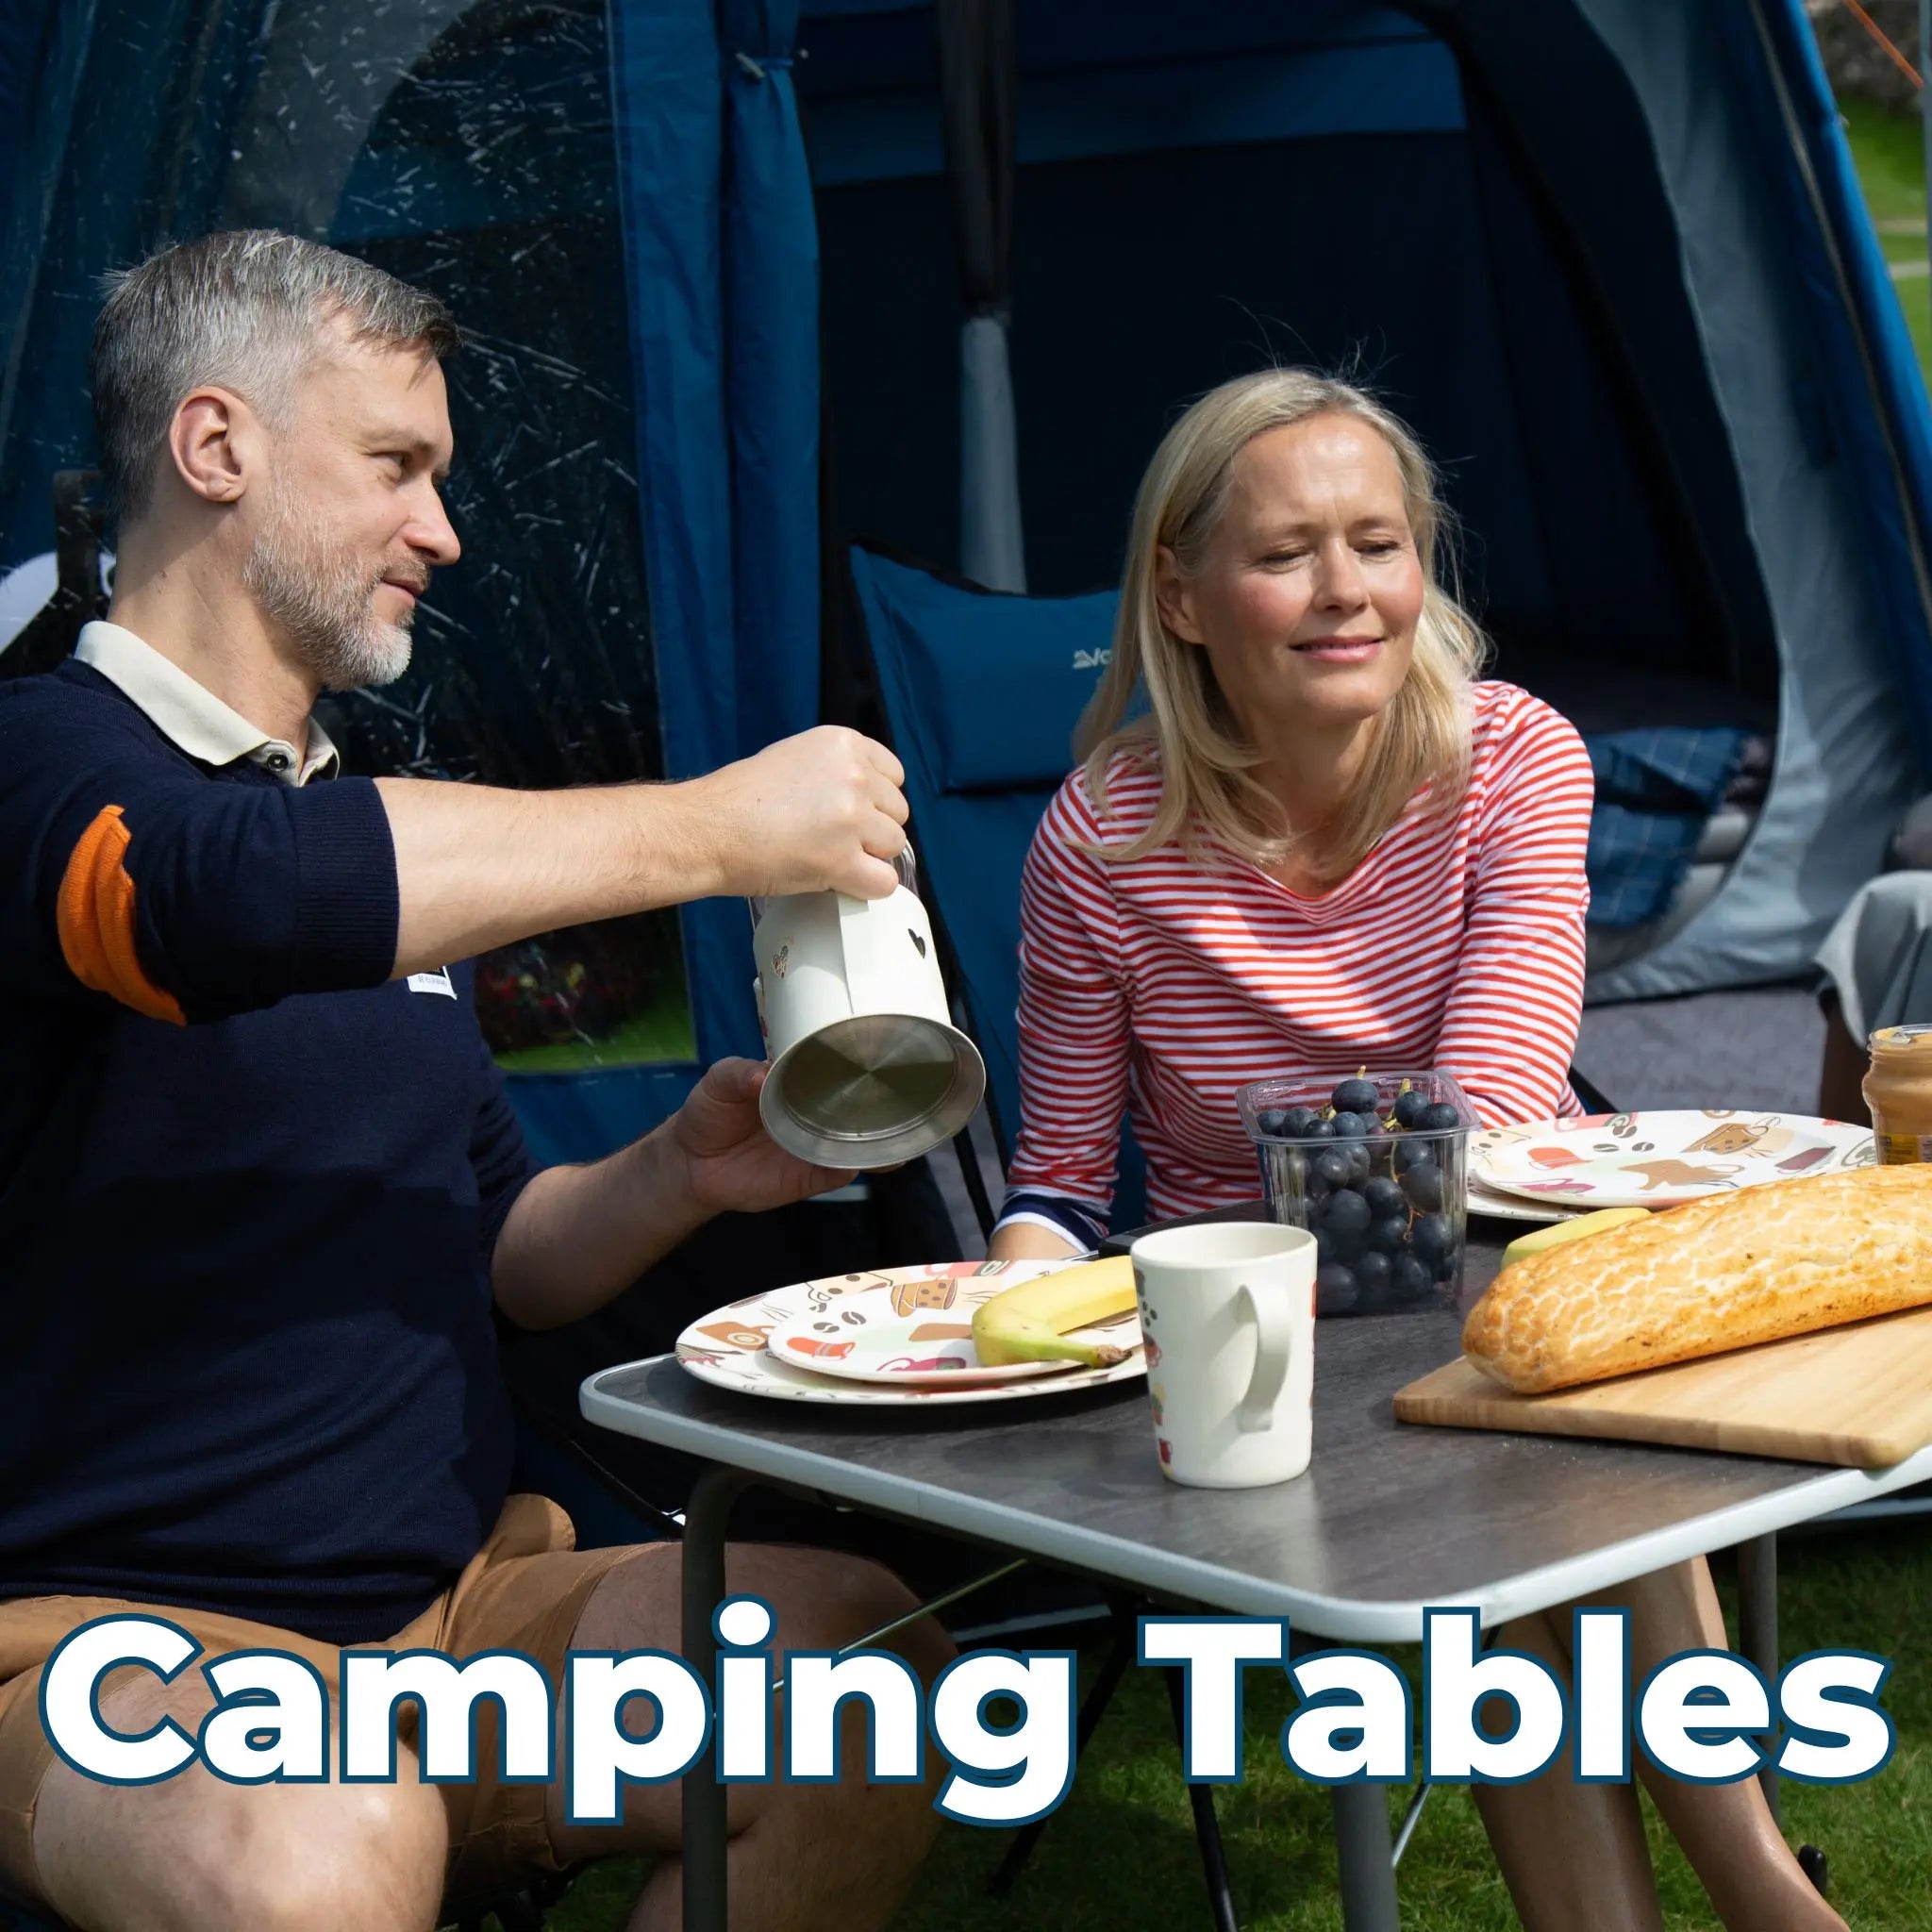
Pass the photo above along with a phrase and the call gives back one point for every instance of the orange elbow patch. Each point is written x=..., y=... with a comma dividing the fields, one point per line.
x=95, y=919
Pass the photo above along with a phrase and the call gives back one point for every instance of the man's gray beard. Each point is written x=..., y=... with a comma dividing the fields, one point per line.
x=320, y=597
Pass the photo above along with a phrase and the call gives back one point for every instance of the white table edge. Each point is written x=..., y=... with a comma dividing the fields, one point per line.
x=1339, y=1619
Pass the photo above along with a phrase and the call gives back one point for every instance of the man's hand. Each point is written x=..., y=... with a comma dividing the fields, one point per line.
x=730, y=1162
x=819, y=811
x=579, y=1235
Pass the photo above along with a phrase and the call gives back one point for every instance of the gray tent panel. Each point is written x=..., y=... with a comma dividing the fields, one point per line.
x=1845, y=769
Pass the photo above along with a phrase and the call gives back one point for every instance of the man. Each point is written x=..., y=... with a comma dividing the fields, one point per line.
x=260, y=1185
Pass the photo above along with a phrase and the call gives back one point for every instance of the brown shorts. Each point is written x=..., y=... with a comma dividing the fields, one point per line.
x=523, y=1589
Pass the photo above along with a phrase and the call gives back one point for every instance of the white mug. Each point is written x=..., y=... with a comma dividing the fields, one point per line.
x=1227, y=1318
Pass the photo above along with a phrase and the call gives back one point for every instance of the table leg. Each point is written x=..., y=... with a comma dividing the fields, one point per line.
x=1366, y=1856
x=706, y=1518
x=1207, y=1822
x=1758, y=1627
x=1091, y=1710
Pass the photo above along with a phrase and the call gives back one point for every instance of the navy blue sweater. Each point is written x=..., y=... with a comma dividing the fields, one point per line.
x=248, y=1192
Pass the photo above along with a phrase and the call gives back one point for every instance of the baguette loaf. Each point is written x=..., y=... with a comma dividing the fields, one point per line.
x=1752, y=1266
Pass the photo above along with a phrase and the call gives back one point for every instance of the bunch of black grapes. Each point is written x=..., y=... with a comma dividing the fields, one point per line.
x=1373, y=1197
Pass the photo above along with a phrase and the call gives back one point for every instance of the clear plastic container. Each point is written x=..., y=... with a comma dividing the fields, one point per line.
x=1388, y=1204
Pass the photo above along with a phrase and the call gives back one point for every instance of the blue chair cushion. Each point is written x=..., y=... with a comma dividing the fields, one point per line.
x=981, y=692
x=999, y=680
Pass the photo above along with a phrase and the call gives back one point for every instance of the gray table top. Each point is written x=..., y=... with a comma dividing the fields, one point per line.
x=1389, y=1519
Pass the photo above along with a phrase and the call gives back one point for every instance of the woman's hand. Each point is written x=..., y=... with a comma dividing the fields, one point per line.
x=730, y=1162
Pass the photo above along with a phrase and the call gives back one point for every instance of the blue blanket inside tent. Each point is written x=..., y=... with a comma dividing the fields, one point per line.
x=1656, y=788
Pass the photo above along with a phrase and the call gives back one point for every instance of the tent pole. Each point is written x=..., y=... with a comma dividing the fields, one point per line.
x=978, y=74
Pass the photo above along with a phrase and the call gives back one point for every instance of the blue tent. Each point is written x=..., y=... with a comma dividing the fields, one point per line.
x=1607, y=254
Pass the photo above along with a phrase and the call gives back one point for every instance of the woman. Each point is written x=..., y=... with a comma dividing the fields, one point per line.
x=1327, y=846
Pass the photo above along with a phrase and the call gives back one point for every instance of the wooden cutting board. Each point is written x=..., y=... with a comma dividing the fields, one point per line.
x=1860, y=1397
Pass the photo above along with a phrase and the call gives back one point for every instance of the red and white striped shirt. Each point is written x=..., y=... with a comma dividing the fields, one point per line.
x=1162, y=985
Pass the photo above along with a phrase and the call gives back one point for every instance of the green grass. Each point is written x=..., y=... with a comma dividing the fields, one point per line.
x=1889, y=153
x=659, y=1032
x=1120, y=1852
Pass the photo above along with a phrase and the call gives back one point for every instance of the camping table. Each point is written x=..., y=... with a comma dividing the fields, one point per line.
x=1390, y=1519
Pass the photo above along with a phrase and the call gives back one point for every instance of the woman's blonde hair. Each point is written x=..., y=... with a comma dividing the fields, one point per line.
x=1207, y=767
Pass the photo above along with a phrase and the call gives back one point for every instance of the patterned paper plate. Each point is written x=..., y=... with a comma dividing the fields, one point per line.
x=761, y=1346
x=1659, y=1160
x=1500, y=1207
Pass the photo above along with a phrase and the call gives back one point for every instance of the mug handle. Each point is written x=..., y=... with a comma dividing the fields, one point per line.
x=1273, y=1344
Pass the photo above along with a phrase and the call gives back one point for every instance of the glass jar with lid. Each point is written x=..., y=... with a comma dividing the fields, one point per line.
x=1898, y=1089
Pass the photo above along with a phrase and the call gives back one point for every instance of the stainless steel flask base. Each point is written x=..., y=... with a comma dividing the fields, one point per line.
x=872, y=1092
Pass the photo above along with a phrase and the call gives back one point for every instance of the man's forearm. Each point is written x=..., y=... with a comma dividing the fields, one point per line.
x=477, y=867
x=578, y=1235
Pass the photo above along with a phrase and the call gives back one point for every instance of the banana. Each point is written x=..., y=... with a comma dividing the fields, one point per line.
x=1580, y=1227
x=1030, y=1322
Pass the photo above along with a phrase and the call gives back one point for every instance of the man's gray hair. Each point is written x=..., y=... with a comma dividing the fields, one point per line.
x=247, y=309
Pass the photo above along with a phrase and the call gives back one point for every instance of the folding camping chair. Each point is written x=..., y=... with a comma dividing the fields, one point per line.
x=979, y=692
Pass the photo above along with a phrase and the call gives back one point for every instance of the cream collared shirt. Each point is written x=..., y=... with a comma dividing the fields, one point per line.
x=190, y=715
